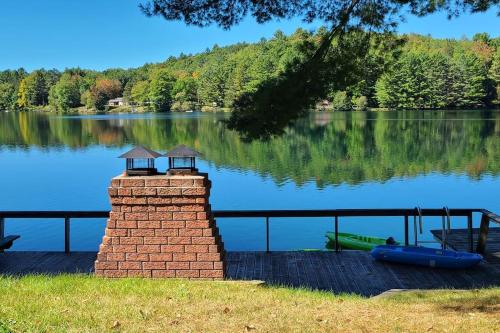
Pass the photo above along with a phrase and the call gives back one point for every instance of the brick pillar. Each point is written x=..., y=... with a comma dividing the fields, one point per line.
x=161, y=226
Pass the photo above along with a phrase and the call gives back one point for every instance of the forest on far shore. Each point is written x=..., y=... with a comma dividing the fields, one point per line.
x=395, y=71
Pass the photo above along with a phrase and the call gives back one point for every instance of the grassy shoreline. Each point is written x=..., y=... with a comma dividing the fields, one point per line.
x=76, y=303
x=127, y=109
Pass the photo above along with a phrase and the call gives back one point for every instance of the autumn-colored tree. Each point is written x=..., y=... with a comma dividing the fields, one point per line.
x=102, y=91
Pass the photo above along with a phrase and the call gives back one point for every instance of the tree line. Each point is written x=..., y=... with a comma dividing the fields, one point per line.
x=407, y=72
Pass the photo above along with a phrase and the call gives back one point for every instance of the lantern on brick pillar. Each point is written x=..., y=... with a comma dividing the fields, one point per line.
x=140, y=161
x=182, y=161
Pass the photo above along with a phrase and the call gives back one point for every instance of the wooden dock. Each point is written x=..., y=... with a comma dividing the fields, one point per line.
x=344, y=272
x=457, y=240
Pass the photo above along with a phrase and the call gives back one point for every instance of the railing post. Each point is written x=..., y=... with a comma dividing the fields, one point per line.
x=66, y=235
x=336, y=233
x=2, y=229
x=483, y=234
x=267, y=234
x=407, y=238
x=470, y=231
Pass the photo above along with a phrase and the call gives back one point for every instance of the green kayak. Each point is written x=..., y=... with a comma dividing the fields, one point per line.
x=354, y=242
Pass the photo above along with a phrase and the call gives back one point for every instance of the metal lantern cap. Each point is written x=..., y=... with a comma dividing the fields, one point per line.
x=187, y=157
x=183, y=151
x=140, y=161
x=140, y=152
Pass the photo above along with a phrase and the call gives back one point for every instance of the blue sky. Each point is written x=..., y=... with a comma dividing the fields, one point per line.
x=100, y=34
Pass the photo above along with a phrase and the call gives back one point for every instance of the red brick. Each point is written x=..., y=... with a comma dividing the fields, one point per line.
x=101, y=257
x=124, y=248
x=208, y=232
x=160, y=257
x=126, y=209
x=194, y=191
x=134, y=201
x=184, y=257
x=116, y=216
x=130, y=265
x=112, y=191
x=163, y=273
x=203, y=240
x=155, y=240
x=115, y=201
x=218, y=265
x=200, y=182
x=148, y=248
x=196, y=249
x=148, y=224
x=168, y=208
x=131, y=240
x=136, y=216
x=154, y=265
x=160, y=216
x=159, y=201
x=184, y=200
x=173, y=224
x=183, y=216
x=131, y=182
x=106, y=240
x=200, y=224
x=214, y=248
x=115, y=182
x=202, y=215
x=190, y=273
x=144, y=191
x=192, y=208
x=142, y=232
x=105, y=248
x=208, y=256
x=138, y=273
x=172, y=248
x=157, y=182
x=126, y=224
x=214, y=273
x=124, y=192
x=177, y=265
x=181, y=182
x=179, y=240
x=141, y=209
x=114, y=273
x=137, y=257
x=107, y=265
x=166, y=232
x=191, y=232
x=168, y=191
x=202, y=265
x=201, y=200
x=115, y=256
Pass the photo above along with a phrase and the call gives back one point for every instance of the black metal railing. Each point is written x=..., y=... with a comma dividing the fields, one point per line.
x=335, y=214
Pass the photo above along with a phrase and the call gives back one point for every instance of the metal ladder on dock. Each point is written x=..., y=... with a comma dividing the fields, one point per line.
x=445, y=227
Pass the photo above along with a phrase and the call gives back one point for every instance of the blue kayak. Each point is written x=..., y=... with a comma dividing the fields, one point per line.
x=424, y=256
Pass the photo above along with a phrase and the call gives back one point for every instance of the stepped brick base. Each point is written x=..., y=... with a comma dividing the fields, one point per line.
x=161, y=226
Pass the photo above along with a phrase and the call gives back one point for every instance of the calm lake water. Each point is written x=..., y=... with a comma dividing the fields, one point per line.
x=334, y=160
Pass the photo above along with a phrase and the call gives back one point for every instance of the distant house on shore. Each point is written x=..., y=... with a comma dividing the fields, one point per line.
x=116, y=101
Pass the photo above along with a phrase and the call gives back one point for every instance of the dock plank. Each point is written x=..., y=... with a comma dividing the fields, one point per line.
x=344, y=272
x=457, y=239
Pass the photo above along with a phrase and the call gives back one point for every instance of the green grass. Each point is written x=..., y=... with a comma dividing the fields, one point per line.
x=80, y=303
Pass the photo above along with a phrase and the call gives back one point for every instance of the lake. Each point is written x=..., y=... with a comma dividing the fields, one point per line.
x=328, y=160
